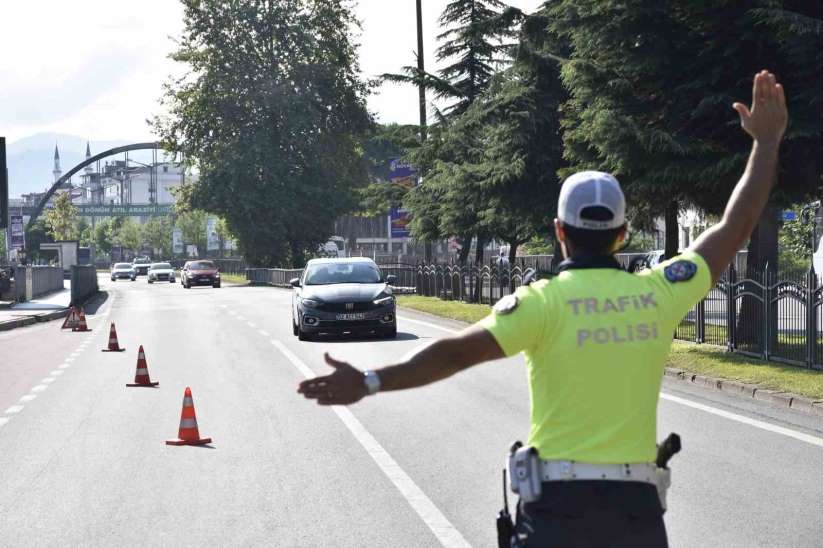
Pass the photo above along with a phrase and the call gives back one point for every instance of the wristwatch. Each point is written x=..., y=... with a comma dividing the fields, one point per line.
x=372, y=381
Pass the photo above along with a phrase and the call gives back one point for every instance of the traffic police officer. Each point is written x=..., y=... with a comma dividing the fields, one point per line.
x=595, y=340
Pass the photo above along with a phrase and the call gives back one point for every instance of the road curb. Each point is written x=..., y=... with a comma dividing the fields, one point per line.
x=786, y=400
x=17, y=322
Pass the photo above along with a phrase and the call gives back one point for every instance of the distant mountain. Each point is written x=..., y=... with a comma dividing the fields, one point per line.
x=31, y=160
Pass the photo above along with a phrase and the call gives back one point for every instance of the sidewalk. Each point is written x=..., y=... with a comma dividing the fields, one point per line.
x=42, y=309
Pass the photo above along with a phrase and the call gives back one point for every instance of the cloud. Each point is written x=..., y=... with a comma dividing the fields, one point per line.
x=45, y=100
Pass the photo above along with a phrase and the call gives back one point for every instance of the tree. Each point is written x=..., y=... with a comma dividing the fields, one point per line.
x=83, y=231
x=157, y=234
x=61, y=219
x=129, y=235
x=193, y=225
x=474, y=45
x=37, y=234
x=271, y=113
x=103, y=237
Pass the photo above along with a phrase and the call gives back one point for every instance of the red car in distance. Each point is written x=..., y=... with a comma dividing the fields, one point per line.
x=200, y=273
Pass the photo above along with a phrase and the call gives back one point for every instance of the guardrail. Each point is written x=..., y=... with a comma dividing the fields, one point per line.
x=83, y=283
x=34, y=281
x=278, y=277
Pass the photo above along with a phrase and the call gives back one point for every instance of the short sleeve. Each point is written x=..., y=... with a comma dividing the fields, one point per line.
x=517, y=321
x=684, y=280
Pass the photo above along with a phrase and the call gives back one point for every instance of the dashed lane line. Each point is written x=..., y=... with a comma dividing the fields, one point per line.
x=769, y=427
x=3, y=420
x=442, y=528
x=28, y=397
x=14, y=409
x=39, y=388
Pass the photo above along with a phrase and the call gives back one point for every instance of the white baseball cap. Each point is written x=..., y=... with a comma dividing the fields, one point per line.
x=591, y=189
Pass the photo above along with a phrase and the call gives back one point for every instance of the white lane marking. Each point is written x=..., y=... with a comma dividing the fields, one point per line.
x=264, y=333
x=814, y=440
x=28, y=397
x=39, y=388
x=432, y=325
x=252, y=325
x=241, y=318
x=3, y=420
x=69, y=359
x=689, y=403
x=56, y=372
x=14, y=409
x=442, y=528
x=47, y=380
x=64, y=365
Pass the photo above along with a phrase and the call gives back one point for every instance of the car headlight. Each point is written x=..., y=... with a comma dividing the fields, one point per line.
x=311, y=303
x=384, y=301
x=217, y=275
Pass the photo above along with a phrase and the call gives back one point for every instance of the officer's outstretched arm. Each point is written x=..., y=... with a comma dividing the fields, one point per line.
x=429, y=364
x=766, y=123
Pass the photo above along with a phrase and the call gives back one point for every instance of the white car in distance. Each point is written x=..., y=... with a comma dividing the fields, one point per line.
x=161, y=272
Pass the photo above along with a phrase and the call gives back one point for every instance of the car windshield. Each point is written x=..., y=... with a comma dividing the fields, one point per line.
x=342, y=273
x=203, y=265
x=122, y=266
x=161, y=266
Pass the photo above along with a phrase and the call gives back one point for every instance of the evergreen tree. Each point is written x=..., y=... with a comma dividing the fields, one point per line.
x=475, y=45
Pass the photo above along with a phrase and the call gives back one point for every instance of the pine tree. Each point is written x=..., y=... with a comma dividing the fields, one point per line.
x=475, y=45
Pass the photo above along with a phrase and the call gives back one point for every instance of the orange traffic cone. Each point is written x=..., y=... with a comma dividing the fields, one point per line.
x=113, y=345
x=81, y=325
x=71, y=320
x=141, y=376
x=188, y=433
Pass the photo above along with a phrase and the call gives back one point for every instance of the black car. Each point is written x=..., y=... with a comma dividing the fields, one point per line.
x=343, y=296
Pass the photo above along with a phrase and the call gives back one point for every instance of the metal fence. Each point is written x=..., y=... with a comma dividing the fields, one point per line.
x=763, y=315
x=278, y=277
x=484, y=284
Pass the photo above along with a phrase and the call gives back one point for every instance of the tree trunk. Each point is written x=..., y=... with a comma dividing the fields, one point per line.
x=513, y=251
x=672, y=227
x=478, y=251
x=465, y=248
x=762, y=251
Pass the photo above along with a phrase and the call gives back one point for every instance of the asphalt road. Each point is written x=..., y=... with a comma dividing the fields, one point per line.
x=83, y=459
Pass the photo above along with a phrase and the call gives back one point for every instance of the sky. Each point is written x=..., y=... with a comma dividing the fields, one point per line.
x=95, y=68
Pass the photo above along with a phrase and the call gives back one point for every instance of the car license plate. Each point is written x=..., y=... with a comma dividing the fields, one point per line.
x=351, y=316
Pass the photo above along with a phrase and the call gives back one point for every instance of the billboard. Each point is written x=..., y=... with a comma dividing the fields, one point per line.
x=212, y=239
x=402, y=173
x=177, y=241
x=399, y=223
x=126, y=210
x=17, y=234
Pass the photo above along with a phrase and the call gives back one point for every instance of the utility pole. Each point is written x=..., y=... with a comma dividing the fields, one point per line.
x=421, y=68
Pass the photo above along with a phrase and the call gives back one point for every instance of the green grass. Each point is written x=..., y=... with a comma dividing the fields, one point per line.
x=708, y=360
x=233, y=278
x=454, y=310
x=713, y=361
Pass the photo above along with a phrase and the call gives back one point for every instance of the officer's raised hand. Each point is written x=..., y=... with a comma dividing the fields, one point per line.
x=766, y=120
x=343, y=387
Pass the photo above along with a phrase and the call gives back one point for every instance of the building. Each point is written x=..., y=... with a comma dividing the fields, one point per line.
x=119, y=182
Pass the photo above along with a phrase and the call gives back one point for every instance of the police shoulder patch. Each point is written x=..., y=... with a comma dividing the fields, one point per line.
x=506, y=305
x=680, y=271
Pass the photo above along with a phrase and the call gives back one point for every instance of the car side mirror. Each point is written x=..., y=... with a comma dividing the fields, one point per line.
x=391, y=279
x=295, y=282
